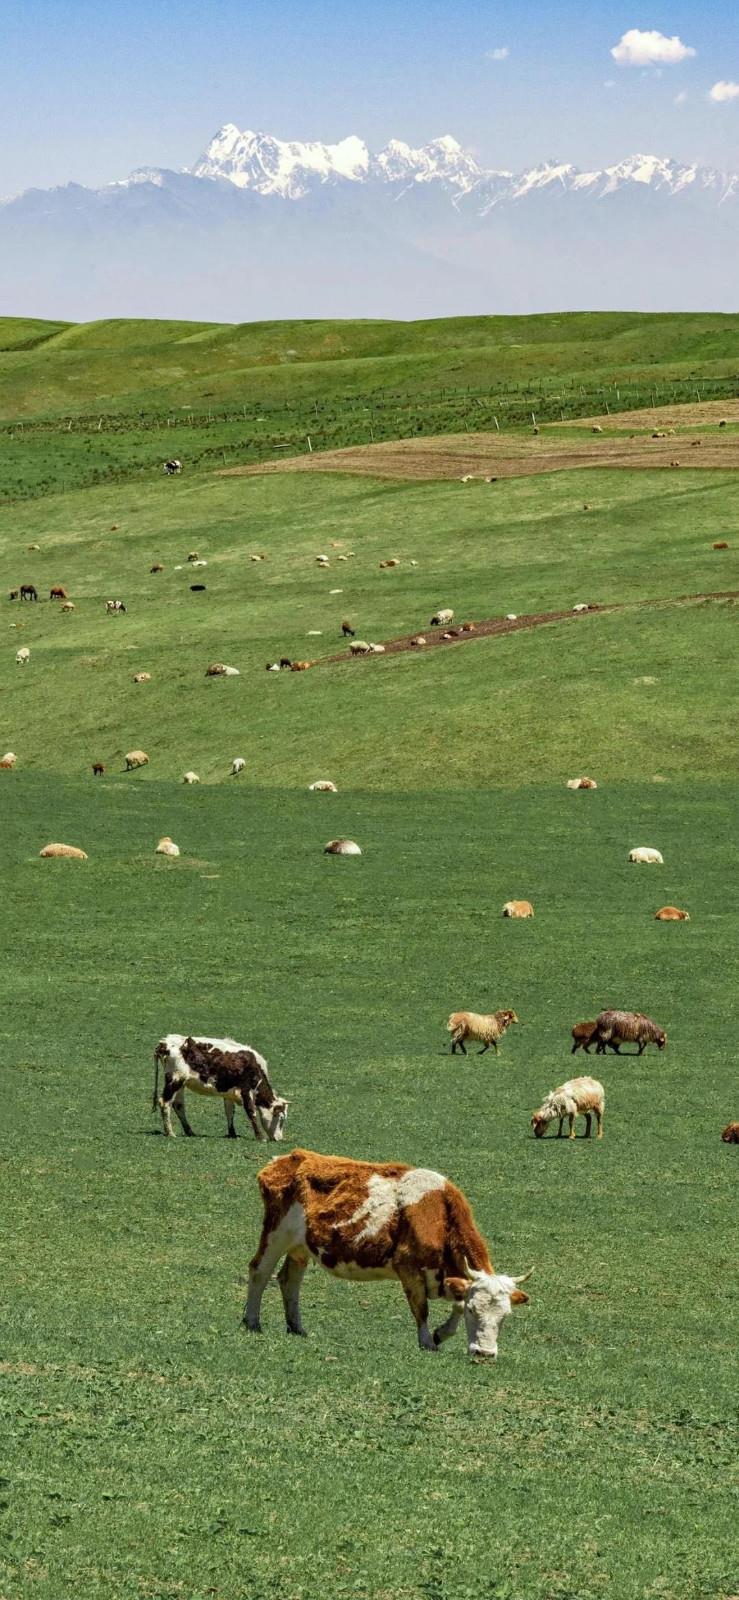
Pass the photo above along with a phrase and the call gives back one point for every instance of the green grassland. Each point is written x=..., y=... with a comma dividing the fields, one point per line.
x=149, y=1450
x=95, y=402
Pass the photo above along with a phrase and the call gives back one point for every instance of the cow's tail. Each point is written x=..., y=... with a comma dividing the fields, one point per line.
x=155, y=1099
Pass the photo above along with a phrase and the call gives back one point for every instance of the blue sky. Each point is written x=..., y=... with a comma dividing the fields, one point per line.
x=89, y=91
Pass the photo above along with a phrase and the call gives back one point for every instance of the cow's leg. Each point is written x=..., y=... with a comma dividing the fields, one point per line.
x=178, y=1102
x=228, y=1107
x=165, y=1103
x=247, y=1101
x=290, y=1278
x=446, y=1330
x=414, y=1289
x=571, y=1119
x=588, y=1123
x=271, y=1246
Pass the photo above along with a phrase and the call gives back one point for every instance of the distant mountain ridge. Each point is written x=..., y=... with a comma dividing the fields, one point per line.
x=262, y=227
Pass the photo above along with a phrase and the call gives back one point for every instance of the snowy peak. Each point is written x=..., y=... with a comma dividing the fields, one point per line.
x=277, y=166
x=290, y=168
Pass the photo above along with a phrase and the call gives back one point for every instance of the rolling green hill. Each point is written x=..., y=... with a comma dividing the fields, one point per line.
x=151, y=1451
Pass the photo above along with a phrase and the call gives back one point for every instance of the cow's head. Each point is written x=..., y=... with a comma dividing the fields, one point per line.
x=488, y=1298
x=272, y=1118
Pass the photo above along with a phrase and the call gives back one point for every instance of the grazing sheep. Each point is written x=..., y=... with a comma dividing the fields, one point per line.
x=511, y=616
x=98, y=769
x=172, y=467
x=341, y=847
x=583, y=1035
x=347, y=629
x=285, y=664
x=238, y=764
x=393, y=562
x=8, y=761
x=722, y=423
x=377, y=649
x=418, y=641
x=671, y=914
x=193, y=556
x=581, y=783
x=190, y=777
x=721, y=544
x=63, y=850
x=518, y=908
x=581, y=606
x=115, y=608
x=323, y=786
x=643, y=855
x=596, y=428
x=198, y=588
x=57, y=592
x=579, y=1097
x=136, y=758
x=142, y=677
x=359, y=647
x=485, y=1029
x=157, y=567
x=68, y=605
x=442, y=618
x=13, y=594
x=730, y=1134
x=29, y=590
x=273, y=666
x=627, y=1027
x=217, y=669
x=167, y=847
x=300, y=666
x=22, y=656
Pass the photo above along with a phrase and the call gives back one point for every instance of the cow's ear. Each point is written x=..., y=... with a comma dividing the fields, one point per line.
x=455, y=1288
x=518, y=1298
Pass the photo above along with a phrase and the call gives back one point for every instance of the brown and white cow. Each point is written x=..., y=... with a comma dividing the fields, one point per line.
x=217, y=1067
x=361, y=1220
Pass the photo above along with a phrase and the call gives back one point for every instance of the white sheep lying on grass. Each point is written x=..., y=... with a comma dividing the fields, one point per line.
x=323, y=786
x=644, y=856
x=190, y=777
x=167, y=847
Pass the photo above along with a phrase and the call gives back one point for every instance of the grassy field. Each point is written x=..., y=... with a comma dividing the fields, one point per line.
x=109, y=401
x=149, y=1449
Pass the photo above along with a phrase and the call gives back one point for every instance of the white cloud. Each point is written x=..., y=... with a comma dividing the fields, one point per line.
x=681, y=98
x=501, y=53
x=645, y=49
x=722, y=91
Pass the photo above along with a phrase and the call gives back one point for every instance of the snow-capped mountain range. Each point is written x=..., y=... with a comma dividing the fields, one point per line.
x=264, y=227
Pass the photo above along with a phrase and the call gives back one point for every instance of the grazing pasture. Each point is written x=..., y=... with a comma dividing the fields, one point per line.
x=150, y=1449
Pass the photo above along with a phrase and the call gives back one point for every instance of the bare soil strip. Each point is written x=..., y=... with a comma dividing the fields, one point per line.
x=496, y=626
x=494, y=455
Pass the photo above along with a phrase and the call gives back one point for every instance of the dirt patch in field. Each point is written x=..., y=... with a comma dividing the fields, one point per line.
x=494, y=456
x=493, y=626
x=702, y=413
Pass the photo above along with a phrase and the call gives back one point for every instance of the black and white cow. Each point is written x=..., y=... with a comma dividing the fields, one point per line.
x=217, y=1067
x=171, y=467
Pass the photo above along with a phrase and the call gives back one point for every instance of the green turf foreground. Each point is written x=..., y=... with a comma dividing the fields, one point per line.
x=149, y=1448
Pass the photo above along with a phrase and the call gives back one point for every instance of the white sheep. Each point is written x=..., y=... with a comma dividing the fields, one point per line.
x=136, y=758
x=190, y=777
x=360, y=647
x=377, y=649
x=581, y=783
x=511, y=616
x=341, y=847
x=578, y=1097
x=643, y=855
x=231, y=672
x=238, y=763
x=8, y=761
x=581, y=606
x=441, y=619
x=167, y=847
x=323, y=786
x=22, y=656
